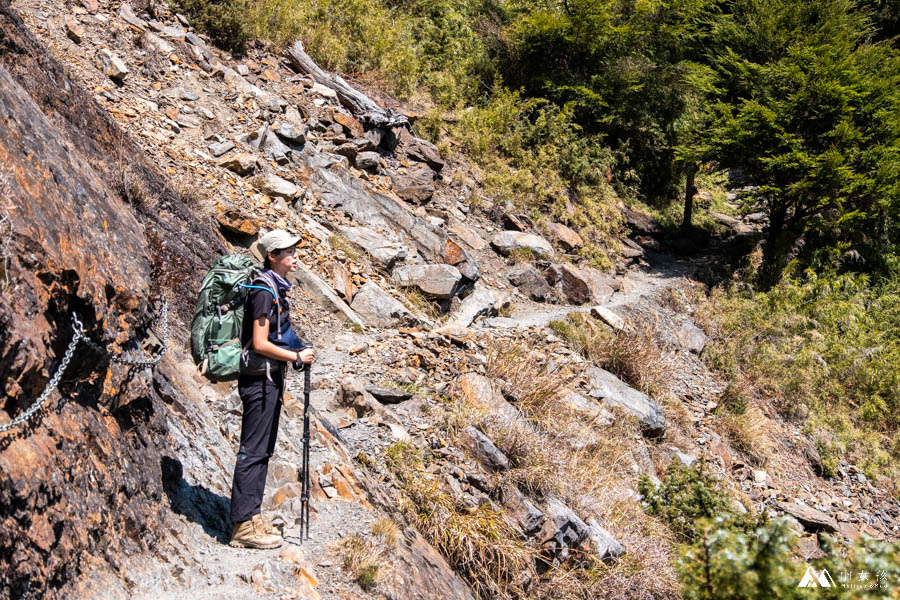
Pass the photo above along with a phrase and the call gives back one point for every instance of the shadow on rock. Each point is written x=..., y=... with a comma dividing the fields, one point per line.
x=207, y=509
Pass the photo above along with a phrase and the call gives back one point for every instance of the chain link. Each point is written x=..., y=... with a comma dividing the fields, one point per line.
x=67, y=357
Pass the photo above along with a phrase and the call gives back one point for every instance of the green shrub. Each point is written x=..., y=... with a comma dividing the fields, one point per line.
x=224, y=21
x=687, y=496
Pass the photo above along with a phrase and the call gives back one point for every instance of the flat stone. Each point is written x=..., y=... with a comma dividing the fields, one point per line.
x=466, y=235
x=74, y=30
x=507, y=241
x=294, y=134
x=127, y=15
x=275, y=186
x=380, y=309
x=483, y=449
x=567, y=238
x=242, y=163
x=220, y=148
x=439, y=281
x=812, y=520
x=368, y=160
x=416, y=185
x=385, y=252
x=608, y=388
x=189, y=121
x=426, y=152
x=387, y=395
x=609, y=317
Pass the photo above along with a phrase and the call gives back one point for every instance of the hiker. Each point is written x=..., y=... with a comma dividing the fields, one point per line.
x=268, y=344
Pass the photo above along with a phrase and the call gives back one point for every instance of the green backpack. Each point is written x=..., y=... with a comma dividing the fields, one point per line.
x=216, y=326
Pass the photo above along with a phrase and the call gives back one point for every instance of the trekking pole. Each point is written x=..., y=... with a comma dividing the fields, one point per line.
x=304, y=496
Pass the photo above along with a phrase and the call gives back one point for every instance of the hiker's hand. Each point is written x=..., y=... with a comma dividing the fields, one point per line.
x=306, y=356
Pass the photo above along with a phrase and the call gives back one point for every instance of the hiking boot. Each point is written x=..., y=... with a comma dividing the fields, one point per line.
x=269, y=528
x=253, y=534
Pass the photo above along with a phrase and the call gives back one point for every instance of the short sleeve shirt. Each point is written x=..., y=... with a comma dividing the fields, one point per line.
x=260, y=303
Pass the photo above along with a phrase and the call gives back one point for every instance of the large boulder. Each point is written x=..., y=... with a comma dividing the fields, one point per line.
x=581, y=285
x=380, y=309
x=505, y=242
x=275, y=186
x=415, y=185
x=482, y=301
x=605, y=386
x=567, y=238
x=385, y=252
x=529, y=281
x=439, y=281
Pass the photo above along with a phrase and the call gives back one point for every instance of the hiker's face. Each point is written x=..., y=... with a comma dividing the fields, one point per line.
x=284, y=261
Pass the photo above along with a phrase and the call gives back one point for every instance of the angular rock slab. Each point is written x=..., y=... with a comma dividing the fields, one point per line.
x=324, y=295
x=388, y=395
x=610, y=389
x=385, y=252
x=505, y=242
x=811, y=518
x=567, y=238
x=379, y=308
x=609, y=317
x=439, y=281
x=484, y=449
x=529, y=281
x=273, y=185
x=570, y=531
x=482, y=301
x=337, y=188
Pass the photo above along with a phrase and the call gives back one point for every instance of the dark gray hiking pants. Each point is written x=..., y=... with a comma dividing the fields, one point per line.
x=261, y=401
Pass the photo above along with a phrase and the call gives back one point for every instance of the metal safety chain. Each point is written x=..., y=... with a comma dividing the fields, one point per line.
x=67, y=357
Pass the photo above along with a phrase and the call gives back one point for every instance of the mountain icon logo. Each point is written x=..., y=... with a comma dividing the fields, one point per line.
x=812, y=579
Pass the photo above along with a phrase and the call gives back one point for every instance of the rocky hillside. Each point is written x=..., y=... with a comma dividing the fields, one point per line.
x=465, y=445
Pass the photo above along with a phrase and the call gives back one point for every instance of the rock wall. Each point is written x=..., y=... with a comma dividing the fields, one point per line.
x=81, y=482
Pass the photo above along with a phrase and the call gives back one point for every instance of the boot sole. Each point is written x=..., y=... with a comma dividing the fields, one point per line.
x=235, y=544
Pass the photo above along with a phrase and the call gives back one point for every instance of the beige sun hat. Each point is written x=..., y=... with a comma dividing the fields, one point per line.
x=277, y=239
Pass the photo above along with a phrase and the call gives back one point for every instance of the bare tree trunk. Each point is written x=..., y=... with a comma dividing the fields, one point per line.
x=363, y=107
x=689, y=191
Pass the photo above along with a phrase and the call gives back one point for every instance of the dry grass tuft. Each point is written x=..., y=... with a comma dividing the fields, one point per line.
x=387, y=530
x=339, y=242
x=749, y=433
x=479, y=543
x=364, y=558
x=131, y=189
x=632, y=355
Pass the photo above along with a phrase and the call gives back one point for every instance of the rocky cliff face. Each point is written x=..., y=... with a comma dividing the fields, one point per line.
x=81, y=480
